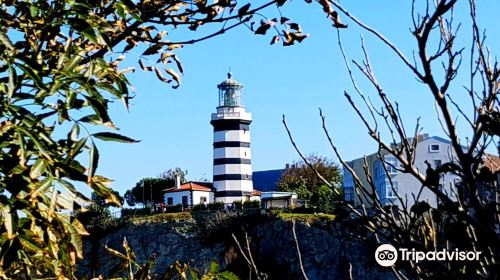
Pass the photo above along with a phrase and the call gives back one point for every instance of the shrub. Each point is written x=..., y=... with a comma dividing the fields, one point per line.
x=162, y=218
x=135, y=212
x=216, y=206
x=238, y=204
x=251, y=204
x=304, y=210
x=174, y=208
x=307, y=218
x=200, y=208
x=275, y=212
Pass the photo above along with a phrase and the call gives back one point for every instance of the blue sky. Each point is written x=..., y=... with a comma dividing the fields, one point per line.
x=173, y=125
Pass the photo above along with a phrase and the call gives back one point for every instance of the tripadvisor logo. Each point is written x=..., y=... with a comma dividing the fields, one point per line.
x=387, y=255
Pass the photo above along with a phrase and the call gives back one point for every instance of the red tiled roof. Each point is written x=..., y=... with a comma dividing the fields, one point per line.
x=492, y=163
x=256, y=193
x=190, y=186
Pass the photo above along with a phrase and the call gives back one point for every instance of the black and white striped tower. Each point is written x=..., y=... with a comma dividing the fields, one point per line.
x=232, y=155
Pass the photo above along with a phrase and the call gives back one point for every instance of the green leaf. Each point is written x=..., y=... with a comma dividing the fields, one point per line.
x=76, y=172
x=280, y=2
x=263, y=28
x=101, y=189
x=8, y=221
x=119, y=10
x=33, y=10
x=41, y=186
x=109, y=136
x=4, y=39
x=194, y=274
x=77, y=148
x=93, y=119
x=79, y=227
x=93, y=160
x=227, y=275
x=66, y=201
x=75, y=61
x=84, y=28
x=114, y=252
x=22, y=148
x=71, y=96
x=33, y=75
x=9, y=252
x=38, y=168
x=152, y=49
x=243, y=10
x=75, y=131
x=70, y=188
x=29, y=243
x=109, y=88
x=214, y=267
x=100, y=107
x=42, y=116
x=18, y=169
x=42, y=149
x=12, y=81
x=106, y=40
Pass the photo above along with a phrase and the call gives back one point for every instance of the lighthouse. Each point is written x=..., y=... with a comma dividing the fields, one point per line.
x=232, y=172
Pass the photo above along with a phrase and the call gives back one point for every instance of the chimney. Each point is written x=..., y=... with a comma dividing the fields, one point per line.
x=177, y=181
x=422, y=137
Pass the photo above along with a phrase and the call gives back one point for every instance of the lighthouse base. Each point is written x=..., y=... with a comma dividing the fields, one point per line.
x=228, y=197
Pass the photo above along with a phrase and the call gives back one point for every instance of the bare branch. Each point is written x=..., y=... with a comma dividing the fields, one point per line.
x=329, y=184
x=381, y=37
x=299, y=255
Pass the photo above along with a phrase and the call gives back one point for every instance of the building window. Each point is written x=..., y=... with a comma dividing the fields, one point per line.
x=434, y=148
x=380, y=188
x=437, y=163
x=170, y=201
x=390, y=191
x=203, y=199
x=184, y=200
x=391, y=164
x=349, y=194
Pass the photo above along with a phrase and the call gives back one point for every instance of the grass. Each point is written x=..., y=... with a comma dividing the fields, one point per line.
x=307, y=218
x=164, y=217
x=183, y=216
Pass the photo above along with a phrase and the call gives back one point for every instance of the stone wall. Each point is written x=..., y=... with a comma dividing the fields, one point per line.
x=328, y=249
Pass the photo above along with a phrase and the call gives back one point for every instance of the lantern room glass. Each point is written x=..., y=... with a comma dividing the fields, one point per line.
x=230, y=93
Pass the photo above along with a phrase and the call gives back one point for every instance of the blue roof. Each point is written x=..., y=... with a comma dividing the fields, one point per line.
x=266, y=180
x=447, y=141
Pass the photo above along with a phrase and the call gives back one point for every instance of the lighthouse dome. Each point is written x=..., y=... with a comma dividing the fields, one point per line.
x=230, y=92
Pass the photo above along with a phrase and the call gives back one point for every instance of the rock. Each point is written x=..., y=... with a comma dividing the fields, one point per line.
x=325, y=252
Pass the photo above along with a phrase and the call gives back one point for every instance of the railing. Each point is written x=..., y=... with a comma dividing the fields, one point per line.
x=226, y=115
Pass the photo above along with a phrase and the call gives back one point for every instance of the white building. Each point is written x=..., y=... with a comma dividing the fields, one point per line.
x=189, y=194
x=232, y=169
x=276, y=199
x=433, y=150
